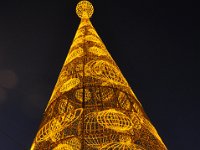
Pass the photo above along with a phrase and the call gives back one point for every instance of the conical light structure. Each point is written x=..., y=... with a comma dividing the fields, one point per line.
x=92, y=106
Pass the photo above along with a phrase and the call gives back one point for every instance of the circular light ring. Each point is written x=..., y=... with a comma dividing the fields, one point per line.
x=114, y=120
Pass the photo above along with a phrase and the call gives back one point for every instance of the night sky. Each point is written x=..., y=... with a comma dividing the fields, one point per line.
x=156, y=45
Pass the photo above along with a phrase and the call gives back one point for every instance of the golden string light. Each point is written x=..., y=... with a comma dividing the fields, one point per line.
x=92, y=106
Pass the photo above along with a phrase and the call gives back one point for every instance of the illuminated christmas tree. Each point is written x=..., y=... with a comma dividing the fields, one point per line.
x=92, y=106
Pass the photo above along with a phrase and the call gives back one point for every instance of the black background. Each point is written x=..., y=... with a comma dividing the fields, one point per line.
x=156, y=45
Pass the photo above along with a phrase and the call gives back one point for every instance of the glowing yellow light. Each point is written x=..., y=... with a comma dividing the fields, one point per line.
x=70, y=84
x=94, y=136
x=84, y=9
x=57, y=124
x=121, y=146
x=114, y=120
x=33, y=146
x=92, y=106
x=63, y=147
x=74, y=54
x=79, y=95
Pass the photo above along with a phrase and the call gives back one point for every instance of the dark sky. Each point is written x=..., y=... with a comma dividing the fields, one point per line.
x=156, y=45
